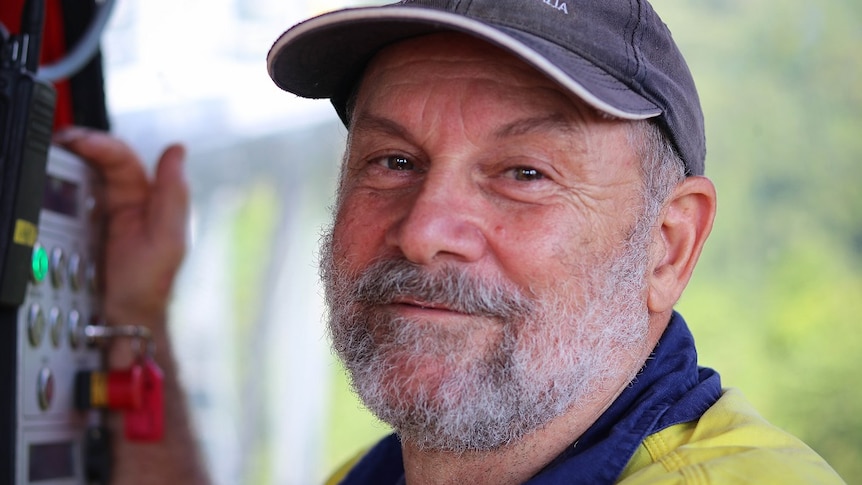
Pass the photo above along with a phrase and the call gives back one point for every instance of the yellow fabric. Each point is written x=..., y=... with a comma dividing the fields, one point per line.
x=729, y=444
x=342, y=471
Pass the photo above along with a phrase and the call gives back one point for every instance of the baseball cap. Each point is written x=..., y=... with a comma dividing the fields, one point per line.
x=616, y=55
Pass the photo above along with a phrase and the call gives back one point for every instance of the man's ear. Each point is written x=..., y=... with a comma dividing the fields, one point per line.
x=683, y=229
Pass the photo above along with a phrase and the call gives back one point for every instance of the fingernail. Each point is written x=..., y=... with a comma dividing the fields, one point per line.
x=69, y=135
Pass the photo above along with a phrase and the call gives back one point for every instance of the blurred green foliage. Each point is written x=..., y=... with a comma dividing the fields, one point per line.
x=253, y=234
x=776, y=300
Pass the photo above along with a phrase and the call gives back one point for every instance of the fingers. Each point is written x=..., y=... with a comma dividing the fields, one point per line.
x=109, y=154
x=160, y=206
x=124, y=177
x=168, y=210
x=126, y=182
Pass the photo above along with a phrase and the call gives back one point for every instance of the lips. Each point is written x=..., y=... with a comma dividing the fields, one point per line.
x=423, y=305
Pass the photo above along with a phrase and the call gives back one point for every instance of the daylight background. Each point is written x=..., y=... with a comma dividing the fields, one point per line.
x=775, y=303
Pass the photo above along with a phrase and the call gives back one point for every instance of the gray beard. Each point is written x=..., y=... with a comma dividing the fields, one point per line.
x=548, y=353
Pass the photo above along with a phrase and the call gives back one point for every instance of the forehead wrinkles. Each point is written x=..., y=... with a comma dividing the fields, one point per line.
x=496, y=92
x=500, y=71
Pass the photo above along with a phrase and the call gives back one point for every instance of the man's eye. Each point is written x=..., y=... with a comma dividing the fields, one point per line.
x=398, y=163
x=527, y=174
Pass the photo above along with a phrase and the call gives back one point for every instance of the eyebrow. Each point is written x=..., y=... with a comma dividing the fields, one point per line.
x=552, y=122
x=366, y=122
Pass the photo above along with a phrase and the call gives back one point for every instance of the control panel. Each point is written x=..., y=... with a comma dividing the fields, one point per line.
x=55, y=443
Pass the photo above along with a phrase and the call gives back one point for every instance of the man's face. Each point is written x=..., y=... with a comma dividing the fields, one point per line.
x=485, y=269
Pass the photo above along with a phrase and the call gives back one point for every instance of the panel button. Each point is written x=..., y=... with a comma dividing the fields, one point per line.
x=45, y=388
x=57, y=324
x=35, y=325
x=58, y=267
x=77, y=271
x=39, y=264
x=76, y=329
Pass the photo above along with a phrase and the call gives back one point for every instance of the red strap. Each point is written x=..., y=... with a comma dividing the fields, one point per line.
x=53, y=49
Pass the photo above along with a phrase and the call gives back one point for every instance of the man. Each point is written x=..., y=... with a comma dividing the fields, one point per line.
x=521, y=204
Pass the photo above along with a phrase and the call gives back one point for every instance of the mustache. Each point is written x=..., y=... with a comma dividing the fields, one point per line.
x=395, y=280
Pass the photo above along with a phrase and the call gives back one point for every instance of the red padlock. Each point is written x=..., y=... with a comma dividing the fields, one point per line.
x=136, y=391
x=124, y=389
x=146, y=422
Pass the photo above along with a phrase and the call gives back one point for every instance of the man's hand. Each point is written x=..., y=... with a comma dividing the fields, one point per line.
x=145, y=225
x=144, y=244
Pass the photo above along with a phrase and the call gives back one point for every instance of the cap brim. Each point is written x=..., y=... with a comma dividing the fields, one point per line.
x=324, y=56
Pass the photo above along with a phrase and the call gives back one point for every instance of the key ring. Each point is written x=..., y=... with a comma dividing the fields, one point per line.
x=138, y=334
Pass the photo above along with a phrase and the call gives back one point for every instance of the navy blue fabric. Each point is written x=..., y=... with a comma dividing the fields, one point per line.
x=670, y=389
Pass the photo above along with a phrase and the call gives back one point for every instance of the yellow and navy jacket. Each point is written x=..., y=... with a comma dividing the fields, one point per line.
x=674, y=424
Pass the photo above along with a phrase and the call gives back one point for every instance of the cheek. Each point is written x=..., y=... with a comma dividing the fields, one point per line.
x=555, y=250
x=538, y=252
x=358, y=235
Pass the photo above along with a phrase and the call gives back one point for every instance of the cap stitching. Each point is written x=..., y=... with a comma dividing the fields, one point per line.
x=634, y=11
x=640, y=70
x=627, y=41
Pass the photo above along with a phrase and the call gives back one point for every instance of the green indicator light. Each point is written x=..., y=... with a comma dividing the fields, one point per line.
x=40, y=263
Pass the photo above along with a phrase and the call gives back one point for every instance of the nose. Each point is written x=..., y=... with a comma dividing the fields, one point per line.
x=443, y=221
